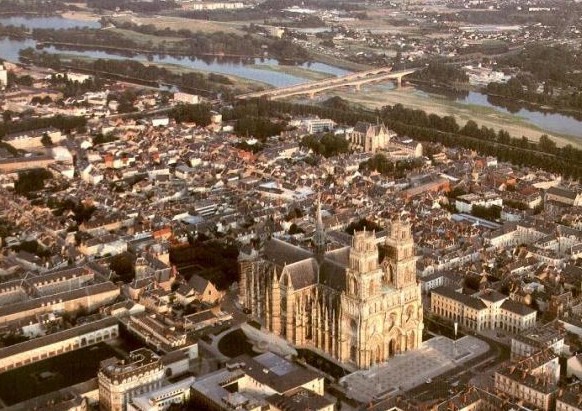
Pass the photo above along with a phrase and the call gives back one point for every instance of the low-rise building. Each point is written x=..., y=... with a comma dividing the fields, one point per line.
x=532, y=380
x=465, y=203
x=569, y=399
x=58, y=343
x=162, y=398
x=488, y=310
x=548, y=336
x=247, y=383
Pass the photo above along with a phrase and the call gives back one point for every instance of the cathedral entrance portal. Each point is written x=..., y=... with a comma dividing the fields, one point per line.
x=376, y=352
x=391, y=348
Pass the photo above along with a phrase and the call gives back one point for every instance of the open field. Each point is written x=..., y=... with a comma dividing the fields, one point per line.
x=381, y=20
x=375, y=97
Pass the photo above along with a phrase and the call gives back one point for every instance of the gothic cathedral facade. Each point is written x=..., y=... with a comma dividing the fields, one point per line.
x=345, y=302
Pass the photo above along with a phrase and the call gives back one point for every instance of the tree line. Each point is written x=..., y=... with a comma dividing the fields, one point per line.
x=441, y=73
x=17, y=7
x=208, y=85
x=444, y=130
x=327, y=145
x=566, y=161
x=548, y=75
x=154, y=6
x=389, y=167
x=186, y=42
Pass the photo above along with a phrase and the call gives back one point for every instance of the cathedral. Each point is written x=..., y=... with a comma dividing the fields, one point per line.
x=345, y=302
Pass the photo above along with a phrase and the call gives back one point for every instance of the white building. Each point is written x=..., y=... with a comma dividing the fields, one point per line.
x=318, y=125
x=122, y=380
x=466, y=202
x=488, y=310
x=544, y=337
x=3, y=76
x=162, y=398
x=187, y=98
x=160, y=121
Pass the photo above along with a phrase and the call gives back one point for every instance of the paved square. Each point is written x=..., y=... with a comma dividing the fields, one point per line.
x=405, y=371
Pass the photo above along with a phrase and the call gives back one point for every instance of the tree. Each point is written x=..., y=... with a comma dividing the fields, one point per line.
x=7, y=115
x=546, y=144
x=328, y=145
x=361, y=225
x=488, y=213
x=295, y=229
x=46, y=140
x=31, y=180
x=197, y=113
x=123, y=266
x=294, y=213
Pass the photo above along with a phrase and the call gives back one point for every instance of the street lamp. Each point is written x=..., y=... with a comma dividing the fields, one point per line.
x=455, y=341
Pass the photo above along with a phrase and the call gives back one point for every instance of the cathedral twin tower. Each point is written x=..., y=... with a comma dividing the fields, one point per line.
x=345, y=302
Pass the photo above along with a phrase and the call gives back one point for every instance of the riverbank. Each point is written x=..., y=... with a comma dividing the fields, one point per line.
x=180, y=23
x=296, y=71
x=80, y=15
x=241, y=84
x=374, y=97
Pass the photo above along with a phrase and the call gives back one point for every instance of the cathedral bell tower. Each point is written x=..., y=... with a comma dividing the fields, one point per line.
x=363, y=274
x=399, y=248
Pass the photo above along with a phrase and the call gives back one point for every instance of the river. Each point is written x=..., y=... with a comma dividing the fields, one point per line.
x=242, y=68
x=551, y=122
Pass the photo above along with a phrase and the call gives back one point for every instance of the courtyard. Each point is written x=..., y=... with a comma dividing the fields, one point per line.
x=406, y=371
x=53, y=373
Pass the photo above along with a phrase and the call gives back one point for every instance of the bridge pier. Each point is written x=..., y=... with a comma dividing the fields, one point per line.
x=399, y=81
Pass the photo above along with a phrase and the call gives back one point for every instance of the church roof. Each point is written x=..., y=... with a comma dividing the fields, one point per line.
x=365, y=128
x=281, y=253
x=302, y=273
x=339, y=255
x=333, y=275
x=303, y=268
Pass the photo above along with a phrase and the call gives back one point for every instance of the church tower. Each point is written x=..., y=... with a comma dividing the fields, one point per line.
x=363, y=274
x=381, y=307
x=399, y=247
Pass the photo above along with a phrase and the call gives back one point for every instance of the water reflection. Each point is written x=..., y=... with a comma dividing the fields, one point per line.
x=551, y=121
x=245, y=68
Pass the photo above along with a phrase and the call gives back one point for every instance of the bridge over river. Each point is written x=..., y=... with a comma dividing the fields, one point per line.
x=353, y=80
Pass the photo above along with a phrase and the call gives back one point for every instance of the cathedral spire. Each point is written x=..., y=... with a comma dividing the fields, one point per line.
x=319, y=239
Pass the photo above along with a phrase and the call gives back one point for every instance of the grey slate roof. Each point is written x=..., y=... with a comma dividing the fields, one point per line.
x=198, y=283
x=462, y=298
x=516, y=307
x=303, y=273
x=281, y=253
